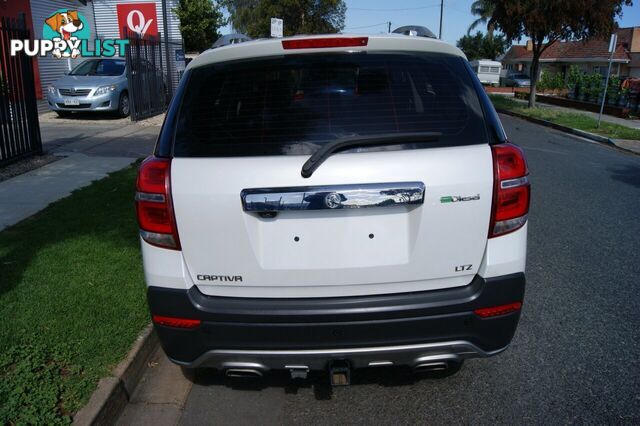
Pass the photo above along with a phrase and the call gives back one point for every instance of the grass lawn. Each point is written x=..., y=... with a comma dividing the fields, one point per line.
x=72, y=300
x=574, y=120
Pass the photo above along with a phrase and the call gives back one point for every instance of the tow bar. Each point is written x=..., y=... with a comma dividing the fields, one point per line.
x=340, y=373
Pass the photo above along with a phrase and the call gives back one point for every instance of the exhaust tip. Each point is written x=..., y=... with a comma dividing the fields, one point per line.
x=431, y=366
x=243, y=373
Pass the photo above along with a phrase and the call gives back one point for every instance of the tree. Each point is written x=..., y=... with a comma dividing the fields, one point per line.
x=253, y=17
x=480, y=46
x=545, y=22
x=484, y=10
x=199, y=23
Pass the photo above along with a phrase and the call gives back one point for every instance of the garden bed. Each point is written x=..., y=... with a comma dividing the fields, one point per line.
x=574, y=120
x=616, y=111
x=490, y=89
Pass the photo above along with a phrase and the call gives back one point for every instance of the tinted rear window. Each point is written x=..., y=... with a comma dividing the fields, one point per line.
x=295, y=103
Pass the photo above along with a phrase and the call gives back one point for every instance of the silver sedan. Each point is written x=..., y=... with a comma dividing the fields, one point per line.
x=94, y=85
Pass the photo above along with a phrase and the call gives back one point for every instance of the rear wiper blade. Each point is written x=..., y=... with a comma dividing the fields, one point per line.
x=354, y=141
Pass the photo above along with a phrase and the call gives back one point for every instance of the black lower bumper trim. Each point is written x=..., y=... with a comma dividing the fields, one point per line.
x=344, y=322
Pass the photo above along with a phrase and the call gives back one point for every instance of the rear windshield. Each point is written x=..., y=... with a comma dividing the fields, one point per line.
x=292, y=105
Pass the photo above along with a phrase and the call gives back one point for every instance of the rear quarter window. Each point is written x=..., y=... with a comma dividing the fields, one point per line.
x=292, y=105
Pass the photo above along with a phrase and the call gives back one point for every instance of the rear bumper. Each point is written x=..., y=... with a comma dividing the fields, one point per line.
x=397, y=329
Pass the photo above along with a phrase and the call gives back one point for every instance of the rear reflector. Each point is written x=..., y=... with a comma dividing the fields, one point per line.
x=176, y=322
x=323, y=43
x=498, y=310
x=153, y=204
x=512, y=190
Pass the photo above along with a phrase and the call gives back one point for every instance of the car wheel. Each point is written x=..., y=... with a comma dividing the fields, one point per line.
x=124, y=107
x=63, y=114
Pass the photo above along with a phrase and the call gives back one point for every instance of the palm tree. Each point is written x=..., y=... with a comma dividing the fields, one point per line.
x=484, y=10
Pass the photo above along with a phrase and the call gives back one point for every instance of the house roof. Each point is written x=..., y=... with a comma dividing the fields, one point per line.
x=569, y=51
x=625, y=35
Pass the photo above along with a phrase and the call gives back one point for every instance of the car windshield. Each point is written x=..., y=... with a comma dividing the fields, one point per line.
x=520, y=76
x=294, y=104
x=103, y=67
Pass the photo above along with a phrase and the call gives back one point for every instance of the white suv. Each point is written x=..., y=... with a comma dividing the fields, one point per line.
x=333, y=202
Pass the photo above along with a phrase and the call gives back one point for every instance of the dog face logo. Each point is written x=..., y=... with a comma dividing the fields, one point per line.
x=66, y=25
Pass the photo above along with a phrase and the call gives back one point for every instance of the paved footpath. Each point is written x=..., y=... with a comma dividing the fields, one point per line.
x=27, y=194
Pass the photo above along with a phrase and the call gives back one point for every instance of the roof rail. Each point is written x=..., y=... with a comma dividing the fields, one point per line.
x=415, y=31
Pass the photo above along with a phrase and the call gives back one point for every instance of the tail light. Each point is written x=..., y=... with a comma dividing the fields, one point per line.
x=325, y=42
x=495, y=311
x=176, y=322
x=512, y=190
x=153, y=204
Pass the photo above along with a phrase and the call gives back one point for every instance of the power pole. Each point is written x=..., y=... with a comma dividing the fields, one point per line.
x=165, y=23
x=612, y=50
x=389, y=26
x=441, y=13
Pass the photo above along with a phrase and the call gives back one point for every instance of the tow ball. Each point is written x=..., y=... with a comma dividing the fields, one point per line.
x=340, y=373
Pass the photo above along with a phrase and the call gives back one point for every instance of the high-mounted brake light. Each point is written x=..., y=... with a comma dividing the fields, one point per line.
x=176, y=322
x=153, y=204
x=323, y=43
x=512, y=190
x=495, y=311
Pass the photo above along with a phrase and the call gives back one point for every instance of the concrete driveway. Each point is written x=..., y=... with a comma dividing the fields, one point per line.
x=574, y=358
x=101, y=135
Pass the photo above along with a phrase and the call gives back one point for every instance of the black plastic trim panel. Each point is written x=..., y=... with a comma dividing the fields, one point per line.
x=344, y=322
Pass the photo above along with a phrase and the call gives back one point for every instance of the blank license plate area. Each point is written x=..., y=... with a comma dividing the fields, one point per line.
x=71, y=102
x=348, y=238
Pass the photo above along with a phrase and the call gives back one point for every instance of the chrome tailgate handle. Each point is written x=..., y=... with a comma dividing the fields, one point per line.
x=332, y=197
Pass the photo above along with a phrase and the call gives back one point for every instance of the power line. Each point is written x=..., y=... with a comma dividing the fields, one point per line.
x=392, y=10
x=367, y=26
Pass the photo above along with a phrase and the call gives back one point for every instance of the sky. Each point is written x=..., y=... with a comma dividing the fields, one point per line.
x=371, y=16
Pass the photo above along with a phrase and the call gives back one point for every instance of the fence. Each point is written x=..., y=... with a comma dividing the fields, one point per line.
x=19, y=127
x=152, y=75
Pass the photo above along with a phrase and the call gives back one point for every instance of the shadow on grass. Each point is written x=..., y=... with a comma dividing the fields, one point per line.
x=103, y=211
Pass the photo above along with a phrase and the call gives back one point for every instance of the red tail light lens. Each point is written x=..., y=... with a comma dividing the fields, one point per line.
x=323, y=43
x=176, y=322
x=512, y=191
x=153, y=204
x=498, y=310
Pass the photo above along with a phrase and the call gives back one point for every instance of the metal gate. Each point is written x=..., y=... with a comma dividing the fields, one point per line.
x=151, y=79
x=19, y=126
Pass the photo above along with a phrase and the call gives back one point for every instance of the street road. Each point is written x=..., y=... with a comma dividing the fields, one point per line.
x=575, y=357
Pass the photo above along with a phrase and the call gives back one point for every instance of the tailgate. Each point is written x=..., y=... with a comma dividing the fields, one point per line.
x=394, y=246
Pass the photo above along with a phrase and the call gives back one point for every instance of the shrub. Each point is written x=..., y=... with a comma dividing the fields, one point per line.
x=550, y=81
x=614, y=86
x=593, y=84
x=575, y=77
